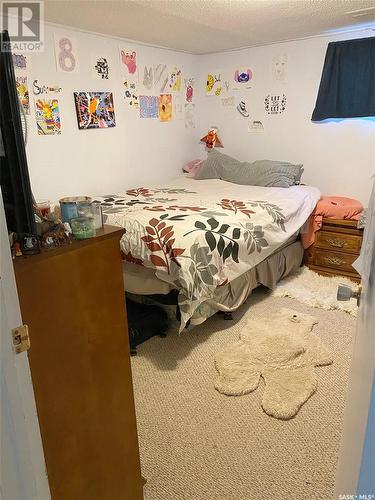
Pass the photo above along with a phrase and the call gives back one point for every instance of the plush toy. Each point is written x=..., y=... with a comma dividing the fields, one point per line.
x=212, y=139
x=281, y=349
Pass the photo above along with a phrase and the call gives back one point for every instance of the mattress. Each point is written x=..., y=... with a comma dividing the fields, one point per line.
x=198, y=236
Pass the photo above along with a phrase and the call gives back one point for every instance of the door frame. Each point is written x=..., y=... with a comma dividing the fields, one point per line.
x=361, y=377
x=26, y=477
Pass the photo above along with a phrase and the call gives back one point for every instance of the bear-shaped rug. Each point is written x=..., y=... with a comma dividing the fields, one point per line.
x=282, y=349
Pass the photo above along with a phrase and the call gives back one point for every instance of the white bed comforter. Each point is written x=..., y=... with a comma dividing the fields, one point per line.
x=199, y=235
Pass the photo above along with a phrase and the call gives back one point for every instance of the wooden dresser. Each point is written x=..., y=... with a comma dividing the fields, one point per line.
x=72, y=299
x=337, y=245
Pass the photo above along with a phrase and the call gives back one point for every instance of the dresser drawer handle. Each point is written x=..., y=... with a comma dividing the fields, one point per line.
x=336, y=261
x=335, y=242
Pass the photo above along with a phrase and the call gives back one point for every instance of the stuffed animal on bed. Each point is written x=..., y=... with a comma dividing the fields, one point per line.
x=212, y=139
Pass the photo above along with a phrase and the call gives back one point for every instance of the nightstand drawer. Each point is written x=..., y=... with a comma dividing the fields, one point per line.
x=333, y=260
x=336, y=241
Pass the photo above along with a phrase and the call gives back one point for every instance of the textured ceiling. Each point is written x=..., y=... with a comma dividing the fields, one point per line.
x=205, y=26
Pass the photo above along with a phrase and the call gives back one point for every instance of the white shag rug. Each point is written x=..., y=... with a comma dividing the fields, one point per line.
x=281, y=349
x=315, y=290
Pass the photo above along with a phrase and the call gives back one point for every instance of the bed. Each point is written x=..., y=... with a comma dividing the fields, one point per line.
x=210, y=242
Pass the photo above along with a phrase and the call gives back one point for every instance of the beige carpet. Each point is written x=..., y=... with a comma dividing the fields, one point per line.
x=197, y=444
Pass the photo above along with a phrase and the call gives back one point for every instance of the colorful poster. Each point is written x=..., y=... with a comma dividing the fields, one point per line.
x=214, y=85
x=275, y=104
x=165, y=107
x=128, y=61
x=94, y=110
x=66, y=53
x=100, y=67
x=23, y=93
x=189, y=115
x=21, y=61
x=160, y=78
x=279, y=67
x=41, y=89
x=175, y=80
x=47, y=116
x=131, y=94
x=148, y=106
x=242, y=79
x=146, y=79
x=189, y=89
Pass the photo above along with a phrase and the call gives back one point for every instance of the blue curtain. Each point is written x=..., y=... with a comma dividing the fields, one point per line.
x=347, y=87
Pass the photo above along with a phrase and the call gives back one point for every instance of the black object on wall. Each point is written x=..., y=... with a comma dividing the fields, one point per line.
x=347, y=87
x=14, y=174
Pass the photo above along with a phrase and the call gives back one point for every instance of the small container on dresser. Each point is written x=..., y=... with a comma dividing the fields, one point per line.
x=337, y=245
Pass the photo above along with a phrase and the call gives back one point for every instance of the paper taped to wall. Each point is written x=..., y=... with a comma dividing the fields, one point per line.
x=47, y=115
x=66, y=53
x=190, y=115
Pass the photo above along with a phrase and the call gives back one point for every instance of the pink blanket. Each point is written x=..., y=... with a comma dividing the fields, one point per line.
x=334, y=207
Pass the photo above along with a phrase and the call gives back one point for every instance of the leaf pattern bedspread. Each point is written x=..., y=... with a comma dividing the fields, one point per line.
x=200, y=235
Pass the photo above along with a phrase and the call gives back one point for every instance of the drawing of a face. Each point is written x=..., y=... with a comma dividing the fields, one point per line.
x=279, y=64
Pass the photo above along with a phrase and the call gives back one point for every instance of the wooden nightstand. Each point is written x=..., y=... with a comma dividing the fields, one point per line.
x=337, y=246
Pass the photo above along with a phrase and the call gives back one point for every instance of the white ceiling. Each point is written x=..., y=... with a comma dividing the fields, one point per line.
x=206, y=26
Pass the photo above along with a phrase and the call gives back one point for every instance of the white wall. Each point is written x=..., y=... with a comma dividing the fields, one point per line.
x=102, y=161
x=339, y=157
